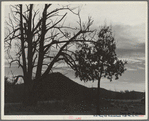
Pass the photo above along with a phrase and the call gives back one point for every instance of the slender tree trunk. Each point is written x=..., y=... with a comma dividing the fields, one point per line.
x=22, y=42
x=98, y=99
x=29, y=37
x=41, y=46
x=37, y=81
x=28, y=75
x=98, y=94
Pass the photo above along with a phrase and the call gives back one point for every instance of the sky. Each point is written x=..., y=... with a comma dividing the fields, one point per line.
x=129, y=25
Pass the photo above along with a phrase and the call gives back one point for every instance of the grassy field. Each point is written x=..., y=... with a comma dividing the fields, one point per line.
x=57, y=107
x=59, y=95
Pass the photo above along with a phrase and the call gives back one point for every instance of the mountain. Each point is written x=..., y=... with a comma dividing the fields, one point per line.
x=60, y=87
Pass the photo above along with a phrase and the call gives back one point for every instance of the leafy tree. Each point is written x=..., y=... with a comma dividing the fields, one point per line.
x=98, y=60
x=41, y=38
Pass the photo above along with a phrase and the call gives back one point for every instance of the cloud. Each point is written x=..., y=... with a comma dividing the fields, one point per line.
x=142, y=68
x=61, y=65
x=130, y=69
x=130, y=40
x=129, y=37
x=134, y=63
x=133, y=60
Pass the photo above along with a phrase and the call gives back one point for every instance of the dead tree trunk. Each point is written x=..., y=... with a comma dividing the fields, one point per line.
x=28, y=97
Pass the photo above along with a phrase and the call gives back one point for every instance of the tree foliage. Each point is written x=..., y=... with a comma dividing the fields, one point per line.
x=99, y=58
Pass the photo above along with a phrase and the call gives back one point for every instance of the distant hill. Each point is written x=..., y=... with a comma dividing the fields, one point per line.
x=61, y=87
x=58, y=86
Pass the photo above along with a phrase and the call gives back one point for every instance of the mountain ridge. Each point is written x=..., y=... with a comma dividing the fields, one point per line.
x=57, y=86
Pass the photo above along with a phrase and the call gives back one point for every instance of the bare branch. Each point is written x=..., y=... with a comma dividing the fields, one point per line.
x=56, y=22
x=17, y=78
x=16, y=61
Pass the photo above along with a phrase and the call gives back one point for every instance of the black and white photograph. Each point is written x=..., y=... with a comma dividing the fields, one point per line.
x=74, y=60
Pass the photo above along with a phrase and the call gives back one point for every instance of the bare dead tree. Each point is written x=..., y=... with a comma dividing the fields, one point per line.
x=41, y=39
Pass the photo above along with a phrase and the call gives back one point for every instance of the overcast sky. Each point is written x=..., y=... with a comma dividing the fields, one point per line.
x=129, y=21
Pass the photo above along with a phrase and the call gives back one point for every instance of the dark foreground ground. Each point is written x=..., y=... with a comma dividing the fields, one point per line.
x=60, y=95
x=57, y=107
